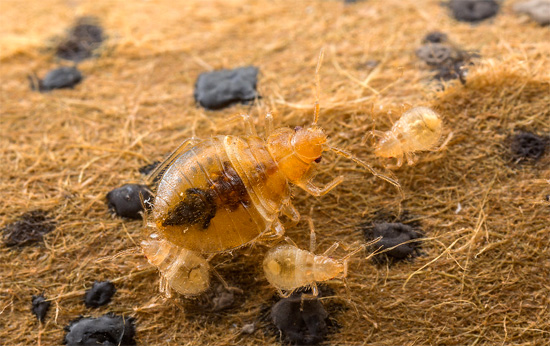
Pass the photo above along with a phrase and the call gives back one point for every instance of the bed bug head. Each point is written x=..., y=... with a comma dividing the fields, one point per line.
x=309, y=143
x=388, y=147
x=296, y=151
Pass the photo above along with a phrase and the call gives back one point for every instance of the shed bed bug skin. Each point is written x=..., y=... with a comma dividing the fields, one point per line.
x=418, y=129
x=221, y=193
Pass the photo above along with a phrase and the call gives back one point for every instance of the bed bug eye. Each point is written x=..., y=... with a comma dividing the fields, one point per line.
x=297, y=128
x=318, y=159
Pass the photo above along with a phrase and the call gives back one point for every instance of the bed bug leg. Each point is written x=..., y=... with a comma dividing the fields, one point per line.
x=290, y=211
x=398, y=163
x=411, y=158
x=331, y=249
x=164, y=287
x=317, y=87
x=290, y=242
x=312, y=234
x=307, y=296
x=225, y=284
x=268, y=124
x=249, y=129
x=362, y=163
x=373, y=134
x=276, y=232
x=283, y=294
x=318, y=191
x=444, y=144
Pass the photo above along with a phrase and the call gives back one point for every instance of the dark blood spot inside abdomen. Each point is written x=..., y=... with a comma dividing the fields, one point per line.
x=229, y=189
x=199, y=206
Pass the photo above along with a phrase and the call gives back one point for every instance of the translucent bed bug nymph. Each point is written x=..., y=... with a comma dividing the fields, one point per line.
x=288, y=267
x=182, y=270
x=218, y=194
x=418, y=129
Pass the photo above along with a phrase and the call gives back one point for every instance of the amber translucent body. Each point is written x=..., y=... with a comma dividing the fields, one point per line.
x=185, y=272
x=418, y=129
x=287, y=267
x=226, y=191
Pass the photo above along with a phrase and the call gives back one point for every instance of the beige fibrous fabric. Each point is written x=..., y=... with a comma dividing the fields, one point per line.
x=483, y=274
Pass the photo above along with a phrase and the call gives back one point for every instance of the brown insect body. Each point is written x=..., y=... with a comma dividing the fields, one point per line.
x=226, y=191
x=418, y=129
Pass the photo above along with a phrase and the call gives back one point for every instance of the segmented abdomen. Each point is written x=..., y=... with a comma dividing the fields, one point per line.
x=219, y=195
x=185, y=271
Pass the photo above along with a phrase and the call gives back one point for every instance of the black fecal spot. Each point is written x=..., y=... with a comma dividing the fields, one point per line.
x=448, y=61
x=302, y=321
x=100, y=294
x=473, y=10
x=455, y=71
x=318, y=159
x=538, y=10
x=107, y=330
x=63, y=77
x=528, y=146
x=392, y=235
x=224, y=298
x=82, y=40
x=145, y=170
x=126, y=201
x=28, y=229
x=436, y=54
x=40, y=307
x=220, y=89
x=198, y=207
x=435, y=37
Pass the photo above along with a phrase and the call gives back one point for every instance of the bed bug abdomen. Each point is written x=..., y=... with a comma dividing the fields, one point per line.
x=185, y=271
x=219, y=195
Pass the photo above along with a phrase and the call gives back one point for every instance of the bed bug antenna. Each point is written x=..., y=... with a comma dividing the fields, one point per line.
x=362, y=163
x=317, y=87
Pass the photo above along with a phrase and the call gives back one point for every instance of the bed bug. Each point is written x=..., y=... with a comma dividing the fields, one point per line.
x=182, y=270
x=418, y=129
x=288, y=267
x=219, y=194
